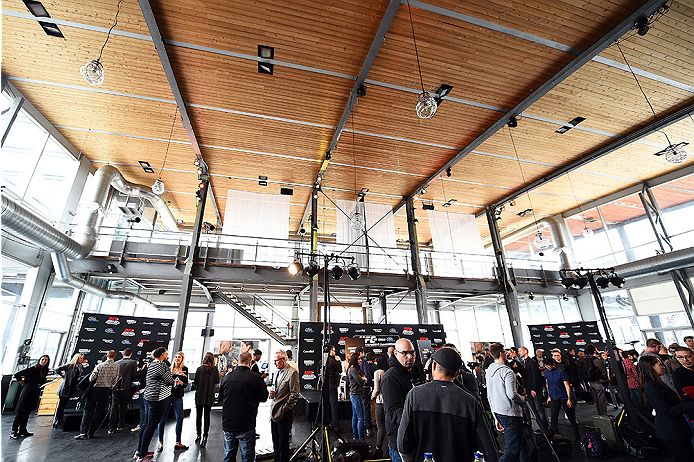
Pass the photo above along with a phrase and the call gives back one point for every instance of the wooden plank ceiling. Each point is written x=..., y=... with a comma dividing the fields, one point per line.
x=494, y=54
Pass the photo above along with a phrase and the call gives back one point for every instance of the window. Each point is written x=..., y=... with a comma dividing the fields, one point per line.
x=21, y=152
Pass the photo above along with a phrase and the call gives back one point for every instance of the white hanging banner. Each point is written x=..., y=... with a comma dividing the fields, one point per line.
x=457, y=239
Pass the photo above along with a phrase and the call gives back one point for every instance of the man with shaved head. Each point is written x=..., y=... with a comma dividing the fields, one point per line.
x=395, y=384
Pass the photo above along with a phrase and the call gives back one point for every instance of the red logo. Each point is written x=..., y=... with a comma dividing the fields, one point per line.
x=113, y=318
x=423, y=338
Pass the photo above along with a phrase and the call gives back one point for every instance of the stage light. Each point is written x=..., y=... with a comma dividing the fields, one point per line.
x=354, y=272
x=531, y=296
x=337, y=272
x=602, y=282
x=617, y=281
x=580, y=282
x=567, y=282
x=295, y=268
x=311, y=269
x=565, y=297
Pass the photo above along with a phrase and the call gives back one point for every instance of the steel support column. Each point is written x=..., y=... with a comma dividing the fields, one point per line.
x=187, y=281
x=508, y=288
x=383, y=301
x=419, y=285
x=313, y=294
x=679, y=277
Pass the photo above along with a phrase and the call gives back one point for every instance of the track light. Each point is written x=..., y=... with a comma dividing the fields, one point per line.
x=448, y=172
x=565, y=297
x=617, y=281
x=196, y=162
x=642, y=27
x=354, y=272
x=337, y=272
x=580, y=282
x=513, y=122
x=208, y=226
x=567, y=282
x=295, y=268
x=531, y=296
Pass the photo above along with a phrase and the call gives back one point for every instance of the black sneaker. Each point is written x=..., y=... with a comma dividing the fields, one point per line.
x=81, y=436
x=14, y=436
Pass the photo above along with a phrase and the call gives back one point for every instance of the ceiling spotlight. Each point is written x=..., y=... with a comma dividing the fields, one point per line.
x=200, y=172
x=354, y=272
x=642, y=27
x=295, y=268
x=158, y=187
x=567, y=282
x=337, y=272
x=448, y=172
x=524, y=212
x=617, y=281
x=196, y=162
x=580, y=282
x=110, y=269
x=602, y=282
x=513, y=122
x=531, y=296
x=428, y=206
x=541, y=241
x=565, y=297
x=208, y=226
x=201, y=185
x=311, y=269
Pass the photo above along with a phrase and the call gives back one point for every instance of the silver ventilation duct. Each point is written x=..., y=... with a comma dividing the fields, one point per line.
x=62, y=272
x=657, y=264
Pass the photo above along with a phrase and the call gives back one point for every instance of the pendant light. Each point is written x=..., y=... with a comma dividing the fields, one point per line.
x=426, y=104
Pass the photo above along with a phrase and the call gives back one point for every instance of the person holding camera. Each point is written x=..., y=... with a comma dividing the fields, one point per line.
x=180, y=372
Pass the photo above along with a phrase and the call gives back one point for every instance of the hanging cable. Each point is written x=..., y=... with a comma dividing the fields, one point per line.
x=520, y=167
x=109, y=31
x=419, y=67
x=166, y=154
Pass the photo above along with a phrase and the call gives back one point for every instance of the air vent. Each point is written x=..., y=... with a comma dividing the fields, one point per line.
x=570, y=125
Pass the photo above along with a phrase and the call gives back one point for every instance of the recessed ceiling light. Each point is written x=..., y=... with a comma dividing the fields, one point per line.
x=266, y=52
x=427, y=206
x=37, y=9
x=571, y=125
x=286, y=191
x=265, y=68
x=442, y=92
x=262, y=180
x=146, y=166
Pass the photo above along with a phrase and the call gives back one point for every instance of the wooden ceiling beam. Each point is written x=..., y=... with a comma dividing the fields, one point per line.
x=584, y=57
x=151, y=21
x=370, y=57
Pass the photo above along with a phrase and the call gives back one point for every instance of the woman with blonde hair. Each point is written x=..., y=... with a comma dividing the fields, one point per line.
x=71, y=373
x=206, y=377
x=180, y=372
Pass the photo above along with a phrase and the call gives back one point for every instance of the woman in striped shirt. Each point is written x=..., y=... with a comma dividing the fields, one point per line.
x=157, y=398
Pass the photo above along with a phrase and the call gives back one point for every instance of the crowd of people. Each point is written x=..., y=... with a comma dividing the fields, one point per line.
x=417, y=407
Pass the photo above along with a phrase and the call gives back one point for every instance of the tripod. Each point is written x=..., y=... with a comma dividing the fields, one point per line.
x=319, y=437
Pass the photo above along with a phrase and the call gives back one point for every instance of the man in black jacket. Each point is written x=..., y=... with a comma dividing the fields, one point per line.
x=533, y=383
x=334, y=371
x=395, y=384
x=122, y=393
x=242, y=391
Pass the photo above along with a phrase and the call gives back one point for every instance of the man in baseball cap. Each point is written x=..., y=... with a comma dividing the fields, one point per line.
x=442, y=417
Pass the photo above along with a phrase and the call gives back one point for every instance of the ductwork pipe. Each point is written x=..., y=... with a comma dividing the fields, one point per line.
x=657, y=264
x=559, y=233
x=62, y=272
x=28, y=225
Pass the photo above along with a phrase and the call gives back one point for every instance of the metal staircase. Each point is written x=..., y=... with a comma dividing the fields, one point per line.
x=260, y=313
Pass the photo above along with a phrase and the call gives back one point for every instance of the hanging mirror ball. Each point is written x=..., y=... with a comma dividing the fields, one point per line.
x=158, y=187
x=541, y=241
x=356, y=221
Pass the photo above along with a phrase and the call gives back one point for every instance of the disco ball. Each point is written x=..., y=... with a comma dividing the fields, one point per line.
x=541, y=241
x=426, y=105
x=93, y=72
x=158, y=187
x=356, y=221
x=587, y=232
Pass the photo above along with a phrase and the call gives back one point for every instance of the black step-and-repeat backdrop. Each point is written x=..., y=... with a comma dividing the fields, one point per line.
x=102, y=332
x=576, y=335
x=377, y=339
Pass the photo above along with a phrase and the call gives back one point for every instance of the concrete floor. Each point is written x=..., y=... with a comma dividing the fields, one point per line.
x=48, y=444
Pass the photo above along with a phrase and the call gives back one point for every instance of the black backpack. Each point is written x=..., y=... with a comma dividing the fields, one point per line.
x=594, y=374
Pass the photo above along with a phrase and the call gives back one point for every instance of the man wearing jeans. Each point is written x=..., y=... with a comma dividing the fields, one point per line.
x=242, y=390
x=506, y=405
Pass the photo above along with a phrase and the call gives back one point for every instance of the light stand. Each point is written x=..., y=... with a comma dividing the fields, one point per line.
x=630, y=410
x=320, y=444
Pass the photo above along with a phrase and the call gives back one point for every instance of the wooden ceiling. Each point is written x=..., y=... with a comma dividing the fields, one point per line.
x=494, y=54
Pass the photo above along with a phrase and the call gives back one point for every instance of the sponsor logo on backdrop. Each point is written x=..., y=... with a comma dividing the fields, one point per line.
x=549, y=328
x=87, y=340
x=90, y=329
x=393, y=330
x=423, y=338
x=342, y=351
x=342, y=340
x=561, y=327
x=108, y=340
x=566, y=342
x=129, y=332
x=564, y=335
x=130, y=321
x=407, y=331
x=578, y=333
x=575, y=326
x=593, y=340
x=113, y=320
x=148, y=323
x=162, y=333
x=593, y=333
x=164, y=324
x=592, y=326
x=436, y=331
x=549, y=335
x=438, y=340
x=126, y=342
x=309, y=362
x=146, y=332
x=359, y=331
x=378, y=331
x=308, y=386
x=344, y=330
x=103, y=352
x=309, y=375
x=84, y=351
x=308, y=352
x=110, y=330
x=537, y=335
x=309, y=340
x=551, y=342
x=580, y=342
x=142, y=343
x=92, y=319
x=390, y=339
x=309, y=330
